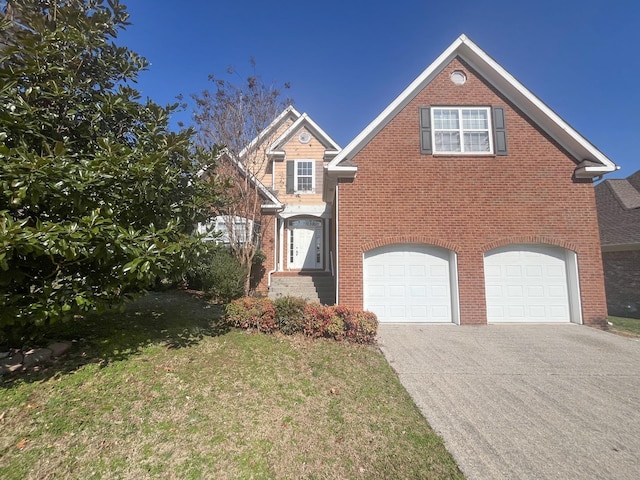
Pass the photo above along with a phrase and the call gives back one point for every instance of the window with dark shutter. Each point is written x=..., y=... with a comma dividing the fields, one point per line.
x=499, y=131
x=290, y=176
x=425, y=130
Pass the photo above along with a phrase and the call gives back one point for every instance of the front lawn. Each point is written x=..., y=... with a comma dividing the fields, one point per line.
x=625, y=326
x=163, y=392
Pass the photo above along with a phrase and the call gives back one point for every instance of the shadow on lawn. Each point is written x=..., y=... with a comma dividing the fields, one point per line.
x=173, y=319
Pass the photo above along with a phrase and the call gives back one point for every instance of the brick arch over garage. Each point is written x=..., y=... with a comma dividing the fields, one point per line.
x=416, y=239
x=529, y=239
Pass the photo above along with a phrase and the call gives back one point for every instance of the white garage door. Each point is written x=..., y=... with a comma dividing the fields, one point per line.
x=408, y=283
x=527, y=283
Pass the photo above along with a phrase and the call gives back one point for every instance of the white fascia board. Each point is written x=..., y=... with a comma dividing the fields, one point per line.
x=303, y=120
x=264, y=190
x=590, y=172
x=271, y=206
x=532, y=106
x=398, y=104
x=286, y=112
x=321, y=133
x=337, y=170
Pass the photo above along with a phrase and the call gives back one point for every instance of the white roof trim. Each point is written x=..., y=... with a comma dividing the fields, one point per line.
x=275, y=203
x=323, y=211
x=285, y=113
x=538, y=111
x=303, y=120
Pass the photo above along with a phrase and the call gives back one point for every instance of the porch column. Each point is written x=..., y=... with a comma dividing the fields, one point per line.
x=281, y=243
x=326, y=244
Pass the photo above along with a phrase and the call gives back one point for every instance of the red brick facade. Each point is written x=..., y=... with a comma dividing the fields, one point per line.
x=468, y=204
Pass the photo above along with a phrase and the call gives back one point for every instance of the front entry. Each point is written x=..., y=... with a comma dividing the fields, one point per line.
x=305, y=244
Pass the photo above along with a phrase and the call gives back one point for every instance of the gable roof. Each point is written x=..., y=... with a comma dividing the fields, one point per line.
x=626, y=193
x=618, y=202
x=304, y=121
x=288, y=113
x=579, y=147
x=266, y=193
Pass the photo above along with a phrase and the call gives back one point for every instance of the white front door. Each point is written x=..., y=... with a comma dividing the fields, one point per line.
x=305, y=244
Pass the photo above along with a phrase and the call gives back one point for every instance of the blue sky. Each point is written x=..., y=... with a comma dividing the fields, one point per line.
x=347, y=60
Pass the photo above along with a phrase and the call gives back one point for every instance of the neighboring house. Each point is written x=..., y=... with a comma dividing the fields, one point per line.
x=618, y=203
x=467, y=200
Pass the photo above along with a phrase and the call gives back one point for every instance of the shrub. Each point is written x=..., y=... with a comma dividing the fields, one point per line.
x=218, y=273
x=290, y=314
x=335, y=328
x=361, y=326
x=316, y=319
x=250, y=312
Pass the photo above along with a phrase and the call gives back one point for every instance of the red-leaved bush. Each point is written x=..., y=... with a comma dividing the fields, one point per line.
x=337, y=322
x=316, y=319
x=250, y=312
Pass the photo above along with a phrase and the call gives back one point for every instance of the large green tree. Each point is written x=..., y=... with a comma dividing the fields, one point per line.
x=97, y=196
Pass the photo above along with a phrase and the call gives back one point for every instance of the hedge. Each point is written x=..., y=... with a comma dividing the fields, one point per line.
x=290, y=315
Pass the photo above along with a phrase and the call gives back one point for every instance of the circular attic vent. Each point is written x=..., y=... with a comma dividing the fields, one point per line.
x=458, y=77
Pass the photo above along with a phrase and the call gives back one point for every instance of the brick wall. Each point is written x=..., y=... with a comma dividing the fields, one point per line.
x=472, y=203
x=622, y=282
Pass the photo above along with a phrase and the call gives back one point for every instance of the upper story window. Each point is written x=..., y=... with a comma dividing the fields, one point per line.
x=304, y=176
x=461, y=130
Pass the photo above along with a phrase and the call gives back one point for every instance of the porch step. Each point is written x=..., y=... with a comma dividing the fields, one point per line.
x=312, y=288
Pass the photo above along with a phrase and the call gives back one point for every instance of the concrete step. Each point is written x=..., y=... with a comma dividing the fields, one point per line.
x=312, y=288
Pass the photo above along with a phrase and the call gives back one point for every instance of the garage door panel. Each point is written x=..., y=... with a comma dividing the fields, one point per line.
x=442, y=313
x=408, y=283
x=515, y=291
x=440, y=291
x=534, y=271
x=531, y=286
x=417, y=271
x=419, y=311
x=513, y=270
x=535, y=291
x=418, y=291
x=376, y=271
x=396, y=271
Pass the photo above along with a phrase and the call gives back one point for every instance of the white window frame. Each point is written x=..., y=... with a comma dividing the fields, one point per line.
x=216, y=230
x=313, y=176
x=461, y=131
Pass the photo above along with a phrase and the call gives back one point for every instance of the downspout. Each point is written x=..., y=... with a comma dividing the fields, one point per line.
x=337, y=259
x=273, y=173
x=275, y=253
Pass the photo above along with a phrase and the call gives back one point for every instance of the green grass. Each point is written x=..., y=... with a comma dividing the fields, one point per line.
x=162, y=391
x=625, y=326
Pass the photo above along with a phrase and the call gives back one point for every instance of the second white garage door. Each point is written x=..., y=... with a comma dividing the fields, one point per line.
x=527, y=283
x=408, y=283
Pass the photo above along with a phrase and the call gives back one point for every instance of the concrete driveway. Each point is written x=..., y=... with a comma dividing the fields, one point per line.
x=525, y=401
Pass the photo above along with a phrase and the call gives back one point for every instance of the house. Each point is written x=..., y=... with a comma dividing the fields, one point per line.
x=618, y=202
x=467, y=200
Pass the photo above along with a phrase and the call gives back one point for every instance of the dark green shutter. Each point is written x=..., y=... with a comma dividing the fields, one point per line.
x=499, y=131
x=425, y=130
x=290, y=176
